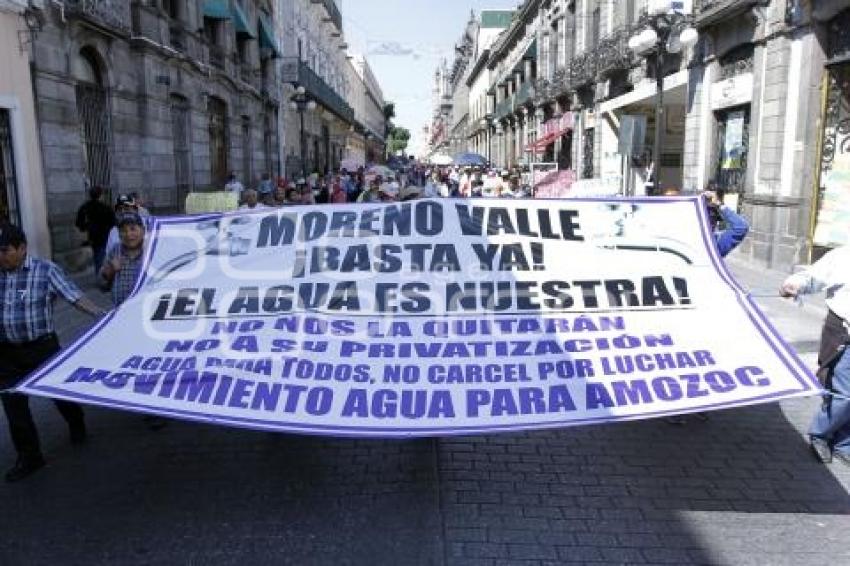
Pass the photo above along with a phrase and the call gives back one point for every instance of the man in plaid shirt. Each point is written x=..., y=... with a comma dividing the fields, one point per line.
x=123, y=262
x=28, y=287
x=121, y=270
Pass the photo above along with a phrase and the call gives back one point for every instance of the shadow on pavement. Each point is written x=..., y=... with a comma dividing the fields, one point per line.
x=738, y=489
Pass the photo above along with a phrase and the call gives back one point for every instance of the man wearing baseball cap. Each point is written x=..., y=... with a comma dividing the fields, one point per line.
x=28, y=287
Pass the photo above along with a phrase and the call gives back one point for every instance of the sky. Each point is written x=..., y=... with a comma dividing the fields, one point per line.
x=404, y=41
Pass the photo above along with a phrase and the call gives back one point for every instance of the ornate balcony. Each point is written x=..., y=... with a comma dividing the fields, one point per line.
x=295, y=71
x=709, y=12
x=583, y=69
x=613, y=53
x=504, y=108
x=525, y=93
x=113, y=14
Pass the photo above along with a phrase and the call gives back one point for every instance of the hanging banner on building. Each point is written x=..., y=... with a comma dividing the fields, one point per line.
x=431, y=317
x=733, y=141
x=833, y=217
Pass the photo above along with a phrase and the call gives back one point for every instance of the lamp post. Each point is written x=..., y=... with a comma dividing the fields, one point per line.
x=666, y=32
x=301, y=102
x=488, y=118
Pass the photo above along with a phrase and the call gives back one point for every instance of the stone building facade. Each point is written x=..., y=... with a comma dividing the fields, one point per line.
x=22, y=198
x=315, y=57
x=757, y=108
x=160, y=97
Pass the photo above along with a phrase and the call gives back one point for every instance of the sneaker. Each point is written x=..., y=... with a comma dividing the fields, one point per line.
x=675, y=420
x=24, y=468
x=820, y=450
x=841, y=456
x=78, y=434
x=701, y=416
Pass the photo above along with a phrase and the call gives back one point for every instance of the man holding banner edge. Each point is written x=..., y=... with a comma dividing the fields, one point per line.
x=28, y=286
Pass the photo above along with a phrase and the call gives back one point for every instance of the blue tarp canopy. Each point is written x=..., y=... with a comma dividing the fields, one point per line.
x=240, y=22
x=469, y=159
x=267, y=38
x=217, y=9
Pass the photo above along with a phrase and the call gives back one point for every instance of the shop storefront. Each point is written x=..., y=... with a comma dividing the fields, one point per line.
x=831, y=217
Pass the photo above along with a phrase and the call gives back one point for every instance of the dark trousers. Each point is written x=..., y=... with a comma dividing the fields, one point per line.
x=98, y=255
x=16, y=362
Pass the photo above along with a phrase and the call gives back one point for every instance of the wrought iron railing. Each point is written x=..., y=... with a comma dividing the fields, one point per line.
x=111, y=13
x=708, y=5
x=297, y=72
x=525, y=93
x=504, y=108
x=613, y=53
x=583, y=69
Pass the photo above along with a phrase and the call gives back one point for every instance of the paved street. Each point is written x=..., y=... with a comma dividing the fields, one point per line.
x=738, y=489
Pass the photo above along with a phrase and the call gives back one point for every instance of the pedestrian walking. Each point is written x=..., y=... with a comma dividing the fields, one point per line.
x=123, y=263
x=124, y=204
x=96, y=219
x=233, y=185
x=140, y=202
x=266, y=187
x=122, y=269
x=29, y=286
x=829, y=433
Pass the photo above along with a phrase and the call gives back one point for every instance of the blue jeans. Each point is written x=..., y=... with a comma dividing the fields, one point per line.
x=832, y=421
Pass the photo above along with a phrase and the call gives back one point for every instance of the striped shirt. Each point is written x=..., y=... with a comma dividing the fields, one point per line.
x=28, y=294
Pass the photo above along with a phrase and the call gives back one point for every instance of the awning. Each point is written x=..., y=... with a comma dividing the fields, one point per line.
x=240, y=22
x=267, y=38
x=217, y=9
x=551, y=131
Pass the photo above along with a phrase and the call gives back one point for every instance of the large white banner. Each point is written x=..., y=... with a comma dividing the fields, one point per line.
x=432, y=317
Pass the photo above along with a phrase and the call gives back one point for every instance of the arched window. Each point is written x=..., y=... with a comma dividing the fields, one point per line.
x=219, y=147
x=95, y=124
x=181, y=132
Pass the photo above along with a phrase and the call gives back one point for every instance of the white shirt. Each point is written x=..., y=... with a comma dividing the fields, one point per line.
x=257, y=206
x=830, y=274
x=234, y=187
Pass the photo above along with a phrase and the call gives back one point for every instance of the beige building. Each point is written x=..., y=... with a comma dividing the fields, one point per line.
x=22, y=195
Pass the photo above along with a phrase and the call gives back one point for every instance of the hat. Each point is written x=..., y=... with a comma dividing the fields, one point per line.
x=124, y=200
x=11, y=235
x=130, y=218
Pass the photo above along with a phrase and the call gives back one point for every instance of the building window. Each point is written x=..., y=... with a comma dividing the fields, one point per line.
x=218, y=141
x=95, y=125
x=733, y=132
x=212, y=34
x=181, y=131
x=247, y=151
x=9, y=211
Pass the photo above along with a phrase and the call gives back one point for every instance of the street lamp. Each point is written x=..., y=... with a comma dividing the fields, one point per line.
x=301, y=102
x=663, y=32
x=488, y=118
